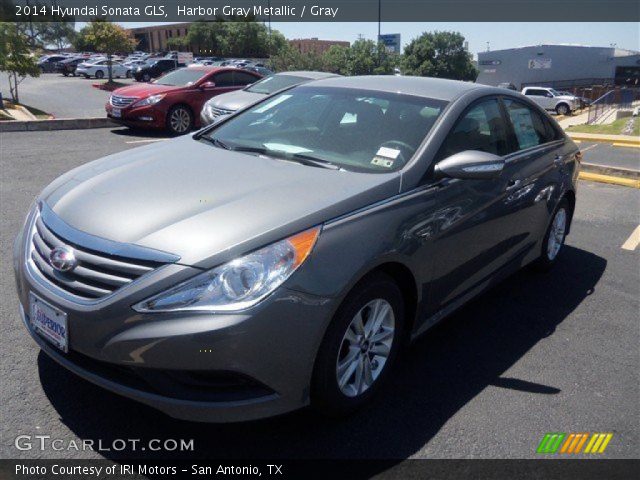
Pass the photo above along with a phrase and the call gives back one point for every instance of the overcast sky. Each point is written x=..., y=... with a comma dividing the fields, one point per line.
x=499, y=35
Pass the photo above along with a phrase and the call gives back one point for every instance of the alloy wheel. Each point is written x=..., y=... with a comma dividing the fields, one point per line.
x=557, y=234
x=365, y=347
x=180, y=120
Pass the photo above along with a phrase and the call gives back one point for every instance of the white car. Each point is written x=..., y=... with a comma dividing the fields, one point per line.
x=100, y=69
x=550, y=99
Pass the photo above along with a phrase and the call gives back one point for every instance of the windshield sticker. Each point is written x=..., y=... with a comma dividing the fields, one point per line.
x=272, y=104
x=382, y=162
x=386, y=152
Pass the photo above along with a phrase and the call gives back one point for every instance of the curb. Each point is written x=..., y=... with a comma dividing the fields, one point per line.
x=618, y=140
x=596, y=177
x=611, y=171
x=56, y=124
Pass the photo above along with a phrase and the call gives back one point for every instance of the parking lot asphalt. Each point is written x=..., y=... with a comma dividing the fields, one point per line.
x=610, y=156
x=63, y=97
x=540, y=353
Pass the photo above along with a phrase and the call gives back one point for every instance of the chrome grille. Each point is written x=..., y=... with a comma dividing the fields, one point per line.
x=96, y=274
x=119, y=101
x=219, y=112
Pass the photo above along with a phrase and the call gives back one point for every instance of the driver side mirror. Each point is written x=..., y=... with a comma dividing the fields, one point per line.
x=207, y=85
x=470, y=164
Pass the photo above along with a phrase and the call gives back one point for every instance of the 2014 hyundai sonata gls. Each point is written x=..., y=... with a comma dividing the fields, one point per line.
x=283, y=256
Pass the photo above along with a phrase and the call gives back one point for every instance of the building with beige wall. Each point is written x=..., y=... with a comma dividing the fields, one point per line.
x=313, y=45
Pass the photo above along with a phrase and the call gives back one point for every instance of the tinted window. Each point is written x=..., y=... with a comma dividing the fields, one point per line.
x=480, y=128
x=537, y=93
x=223, y=79
x=243, y=78
x=528, y=125
x=359, y=130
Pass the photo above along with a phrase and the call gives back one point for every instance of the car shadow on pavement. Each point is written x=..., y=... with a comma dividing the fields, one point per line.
x=140, y=133
x=435, y=378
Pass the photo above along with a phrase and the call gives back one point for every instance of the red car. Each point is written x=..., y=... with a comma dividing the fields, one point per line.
x=174, y=101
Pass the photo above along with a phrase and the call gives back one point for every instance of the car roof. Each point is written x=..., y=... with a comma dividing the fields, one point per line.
x=437, y=88
x=308, y=74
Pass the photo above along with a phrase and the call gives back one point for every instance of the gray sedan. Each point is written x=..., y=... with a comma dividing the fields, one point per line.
x=283, y=256
x=226, y=104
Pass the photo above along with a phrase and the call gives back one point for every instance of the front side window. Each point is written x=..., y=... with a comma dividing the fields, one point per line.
x=242, y=78
x=480, y=128
x=354, y=129
x=223, y=79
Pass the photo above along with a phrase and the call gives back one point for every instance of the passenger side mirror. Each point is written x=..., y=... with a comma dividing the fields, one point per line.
x=470, y=164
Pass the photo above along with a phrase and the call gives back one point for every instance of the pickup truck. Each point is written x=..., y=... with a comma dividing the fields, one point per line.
x=550, y=99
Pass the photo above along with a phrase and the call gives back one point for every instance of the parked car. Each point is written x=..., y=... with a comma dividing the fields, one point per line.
x=282, y=257
x=264, y=71
x=47, y=63
x=582, y=102
x=508, y=85
x=222, y=105
x=549, y=99
x=100, y=69
x=154, y=68
x=173, y=102
x=68, y=66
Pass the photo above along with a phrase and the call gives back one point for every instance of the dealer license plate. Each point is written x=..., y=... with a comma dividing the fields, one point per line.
x=49, y=322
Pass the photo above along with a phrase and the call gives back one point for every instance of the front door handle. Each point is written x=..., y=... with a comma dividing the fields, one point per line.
x=513, y=184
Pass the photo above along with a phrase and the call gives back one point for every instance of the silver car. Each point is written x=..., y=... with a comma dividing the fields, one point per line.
x=283, y=256
x=226, y=104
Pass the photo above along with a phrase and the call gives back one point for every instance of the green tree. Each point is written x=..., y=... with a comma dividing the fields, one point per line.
x=438, y=54
x=105, y=37
x=60, y=34
x=15, y=57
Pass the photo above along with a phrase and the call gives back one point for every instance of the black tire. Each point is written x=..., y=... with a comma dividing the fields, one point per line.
x=186, y=114
x=563, y=109
x=85, y=75
x=128, y=75
x=545, y=262
x=146, y=77
x=326, y=395
x=99, y=74
x=66, y=74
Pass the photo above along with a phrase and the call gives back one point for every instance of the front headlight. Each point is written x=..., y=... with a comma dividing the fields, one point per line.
x=238, y=284
x=152, y=100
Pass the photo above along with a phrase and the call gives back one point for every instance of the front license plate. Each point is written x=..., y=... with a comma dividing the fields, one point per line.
x=49, y=322
x=116, y=113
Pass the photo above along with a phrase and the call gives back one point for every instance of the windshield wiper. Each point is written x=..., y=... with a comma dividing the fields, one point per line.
x=215, y=142
x=314, y=161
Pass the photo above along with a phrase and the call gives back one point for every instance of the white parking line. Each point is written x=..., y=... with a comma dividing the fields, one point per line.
x=148, y=141
x=633, y=240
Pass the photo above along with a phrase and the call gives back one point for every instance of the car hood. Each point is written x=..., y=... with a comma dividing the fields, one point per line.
x=144, y=90
x=203, y=203
x=566, y=97
x=235, y=100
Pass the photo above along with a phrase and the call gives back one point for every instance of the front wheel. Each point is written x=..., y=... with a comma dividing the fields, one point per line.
x=555, y=237
x=128, y=75
x=360, y=346
x=179, y=120
x=563, y=109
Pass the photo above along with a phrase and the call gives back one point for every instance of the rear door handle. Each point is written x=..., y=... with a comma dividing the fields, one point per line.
x=513, y=184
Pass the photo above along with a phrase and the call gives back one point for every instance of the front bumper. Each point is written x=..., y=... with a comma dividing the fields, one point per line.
x=266, y=354
x=149, y=116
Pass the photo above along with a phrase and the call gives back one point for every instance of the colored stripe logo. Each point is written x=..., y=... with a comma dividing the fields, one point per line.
x=573, y=443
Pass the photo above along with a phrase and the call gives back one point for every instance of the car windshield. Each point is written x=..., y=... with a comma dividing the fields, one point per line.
x=182, y=77
x=353, y=129
x=555, y=92
x=274, y=83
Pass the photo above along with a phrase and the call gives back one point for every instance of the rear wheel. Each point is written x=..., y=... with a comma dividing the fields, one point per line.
x=179, y=120
x=555, y=237
x=360, y=346
x=99, y=74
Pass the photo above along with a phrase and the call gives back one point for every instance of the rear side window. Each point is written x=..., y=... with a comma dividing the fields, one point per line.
x=480, y=128
x=535, y=92
x=529, y=127
x=223, y=79
x=243, y=78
